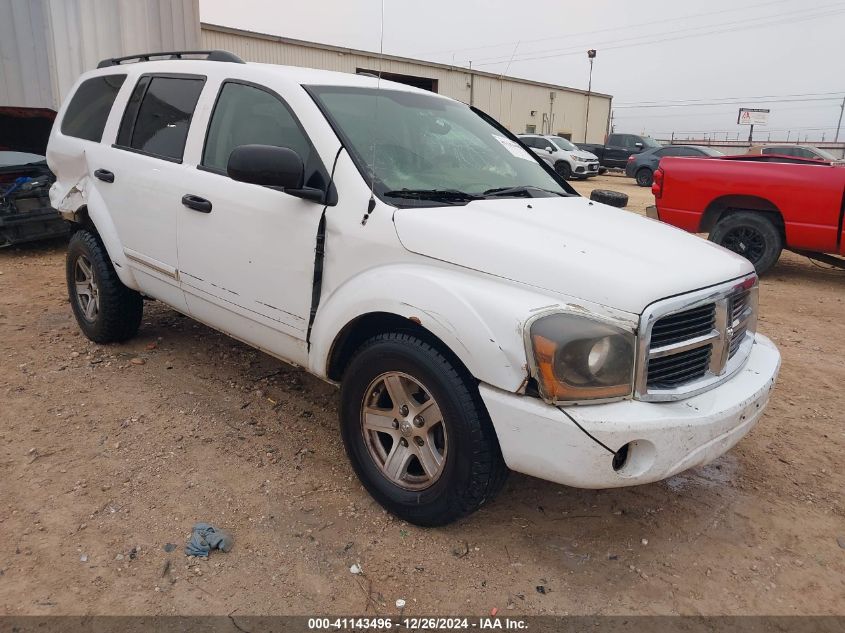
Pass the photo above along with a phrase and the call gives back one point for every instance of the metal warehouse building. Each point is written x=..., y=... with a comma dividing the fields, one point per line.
x=520, y=104
x=46, y=44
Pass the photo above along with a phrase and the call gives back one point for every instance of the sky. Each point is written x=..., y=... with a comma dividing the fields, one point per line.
x=671, y=65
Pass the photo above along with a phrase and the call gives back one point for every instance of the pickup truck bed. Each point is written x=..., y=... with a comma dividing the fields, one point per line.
x=755, y=206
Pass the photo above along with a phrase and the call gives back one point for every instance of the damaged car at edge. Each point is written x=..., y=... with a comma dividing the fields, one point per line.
x=478, y=314
x=25, y=179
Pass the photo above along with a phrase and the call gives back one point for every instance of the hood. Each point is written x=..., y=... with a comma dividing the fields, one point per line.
x=582, y=154
x=570, y=246
x=25, y=129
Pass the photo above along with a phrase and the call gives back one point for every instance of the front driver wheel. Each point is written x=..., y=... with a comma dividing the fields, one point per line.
x=751, y=235
x=563, y=169
x=416, y=431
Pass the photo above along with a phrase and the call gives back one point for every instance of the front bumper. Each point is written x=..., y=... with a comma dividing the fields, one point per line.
x=575, y=445
x=587, y=169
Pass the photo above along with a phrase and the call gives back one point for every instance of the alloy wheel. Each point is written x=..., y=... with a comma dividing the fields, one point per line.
x=404, y=431
x=87, y=291
x=745, y=241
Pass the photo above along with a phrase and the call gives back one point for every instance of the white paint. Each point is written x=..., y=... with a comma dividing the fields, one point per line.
x=472, y=275
x=542, y=441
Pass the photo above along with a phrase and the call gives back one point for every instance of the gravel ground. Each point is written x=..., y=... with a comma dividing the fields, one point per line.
x=109, y=453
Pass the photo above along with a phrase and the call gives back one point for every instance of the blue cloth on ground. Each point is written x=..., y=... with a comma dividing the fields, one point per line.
x=205, y=537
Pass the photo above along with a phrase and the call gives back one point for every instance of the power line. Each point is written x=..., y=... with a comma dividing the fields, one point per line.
x=659, y=102
x=791, y=18
x=605, y=30
x=732, y=102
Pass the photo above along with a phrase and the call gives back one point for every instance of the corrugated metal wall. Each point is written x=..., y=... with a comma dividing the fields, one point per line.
x=46, y=44
x=508, y=100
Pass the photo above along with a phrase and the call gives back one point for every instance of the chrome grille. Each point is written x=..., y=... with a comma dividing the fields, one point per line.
x=683, y=325
x=689, y=343
x=671, y=371
x=739, y=303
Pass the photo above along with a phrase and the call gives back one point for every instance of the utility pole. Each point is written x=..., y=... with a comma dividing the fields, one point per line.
x=751, y=134
x=838, y=125
x=591, y=55
x=471, y=84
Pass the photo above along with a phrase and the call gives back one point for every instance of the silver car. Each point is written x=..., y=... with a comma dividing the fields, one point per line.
x=566, y=159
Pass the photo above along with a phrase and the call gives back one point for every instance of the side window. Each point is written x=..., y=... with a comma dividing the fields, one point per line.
x=630, y=141
x=614, y=140
x=89, y=108
x=158, y=115
x=245, y=115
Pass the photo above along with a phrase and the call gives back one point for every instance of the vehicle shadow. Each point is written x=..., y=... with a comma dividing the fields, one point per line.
x=40, y=247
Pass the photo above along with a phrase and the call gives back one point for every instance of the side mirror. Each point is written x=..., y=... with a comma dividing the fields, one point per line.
x=266, y=165
x=276, y=167
x=638, y=145
x=550, y=149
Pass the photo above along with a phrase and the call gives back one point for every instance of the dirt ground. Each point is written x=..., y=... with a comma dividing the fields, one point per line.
x=108, y=453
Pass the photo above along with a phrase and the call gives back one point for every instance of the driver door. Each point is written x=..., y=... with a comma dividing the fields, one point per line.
x=246, y=252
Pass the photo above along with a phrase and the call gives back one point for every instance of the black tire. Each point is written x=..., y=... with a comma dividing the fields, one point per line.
x=752, y=235
x=645, y=177
x=473, y=470
x=117, y=311
x=563, y=169
x=612, y=198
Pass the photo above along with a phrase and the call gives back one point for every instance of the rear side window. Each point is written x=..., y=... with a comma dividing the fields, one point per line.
x=158, y=115
x=246, y=115
x=89, y=108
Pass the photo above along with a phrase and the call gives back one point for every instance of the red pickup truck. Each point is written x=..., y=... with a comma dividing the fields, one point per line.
x=756, y=205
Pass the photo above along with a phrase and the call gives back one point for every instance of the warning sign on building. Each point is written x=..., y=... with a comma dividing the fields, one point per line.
x=753, y=116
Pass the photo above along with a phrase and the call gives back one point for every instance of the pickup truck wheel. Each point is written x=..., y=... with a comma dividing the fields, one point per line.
x=105, y=309
x=751, y=235
x=645, y=177
x=417, y=432
x=563, y=169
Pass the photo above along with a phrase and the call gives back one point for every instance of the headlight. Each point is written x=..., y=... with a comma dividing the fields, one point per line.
x=576, y=358
x=578, y=159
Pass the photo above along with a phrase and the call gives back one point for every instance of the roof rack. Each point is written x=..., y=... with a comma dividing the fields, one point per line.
x=211, y=56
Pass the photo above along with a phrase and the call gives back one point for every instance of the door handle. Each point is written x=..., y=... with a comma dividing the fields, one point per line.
x=104, y=174
x=196, y=203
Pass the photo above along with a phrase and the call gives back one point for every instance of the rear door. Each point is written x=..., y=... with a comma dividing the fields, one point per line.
x=142, y=177
x=539, y=146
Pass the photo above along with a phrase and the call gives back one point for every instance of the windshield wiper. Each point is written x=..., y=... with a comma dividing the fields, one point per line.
x=446, y=195
x=521, y=190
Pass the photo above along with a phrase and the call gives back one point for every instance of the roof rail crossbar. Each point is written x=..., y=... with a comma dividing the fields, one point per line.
x=211, y=56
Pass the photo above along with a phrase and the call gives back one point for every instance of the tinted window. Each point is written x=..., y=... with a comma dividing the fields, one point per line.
x=670, y=151
x=615, y=139
x=245, y=115
x=89, y=108
x=158, y=115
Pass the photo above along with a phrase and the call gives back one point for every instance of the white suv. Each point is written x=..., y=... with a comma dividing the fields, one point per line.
x=566, y=159
x=478, y=314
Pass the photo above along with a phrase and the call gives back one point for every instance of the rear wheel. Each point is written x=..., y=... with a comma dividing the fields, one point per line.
x=563, y=169
x=416, y=431
x=105, y=309
x=751, y=235
x=645, y=177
